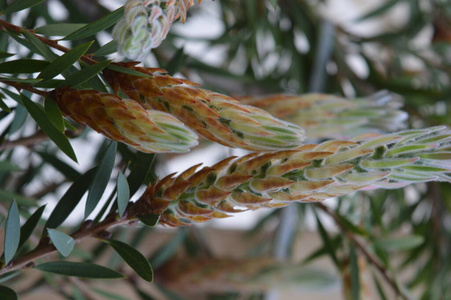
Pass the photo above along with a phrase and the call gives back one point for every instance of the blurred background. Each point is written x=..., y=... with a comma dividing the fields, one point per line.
x=392, y=244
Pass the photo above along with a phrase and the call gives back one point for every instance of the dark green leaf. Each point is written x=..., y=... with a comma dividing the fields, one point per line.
x=108, y=295
x=140, y=170
x=20, y=116
x=20, y=5
x=123, y=193
x=40, y=46
x=7, y=293
x=5, y=55
x=12, y=232
x=7, y=166
x=14, y=96
x=97, y=26
x=57, y=137
x=355, y=274
x=177, y=61
x=106, y=49
x=63, y=62
x=54, y=114
x=77, y=269
x=85, y=74
x=7, y=196
x=327, y=242
x=8, y=276
x=23, y=66
x=20, y=80
x=101, y=179
x=59, y=29
x=385, y=7
x=70, y=199
x=3, y=105
x=149, y=220
x=30, y=225
x=62, y=242
x=399, y=243
x=60, y=165
x=134, y=259
x=128, y=71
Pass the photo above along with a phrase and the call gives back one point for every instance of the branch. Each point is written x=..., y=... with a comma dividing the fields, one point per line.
x=370, y=256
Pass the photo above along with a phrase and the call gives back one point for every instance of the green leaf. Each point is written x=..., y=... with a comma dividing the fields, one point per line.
x=60, y=165
x=134, y=259
x=379, y=11
x=20, y=5
x=77, y=269
x=85, y=74
x=70, y=199
x=123, y=194
x=20, y=80
x=57, y=137
x=12, y=232
x=54, y=114
x=97, y=26
x=62, y=242
x=101, y=179
x=23, y=66
x=149, y=220
x=30, y=225
x=5, y=55
x=7, y=196
x=63, y=29
x=355, y=274
x=128, y=71
x=7, y=293
x=63, y=62
x=108, y=295
x=327, y=241
x=42, y=48
x=141, y=168
x=7, y=166
x=8, y=276
x=20, y=116
x=176, y=62
x=106, y=49
x=399, y=243
x=3, y=105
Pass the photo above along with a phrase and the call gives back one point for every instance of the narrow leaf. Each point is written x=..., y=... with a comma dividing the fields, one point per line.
x=12, y=232
x=70, y=199
x=123, y=193
x=57, y=137
x=20, y=5
x=149, y=220
x=62, y=242
x=63, y=62
x=177, y=61
x=7, y=196
x=355, y=274
x=3, y=105
x=399, y=243
x=67, y=170
x=97, y=26
x=30, y=225
x=106, y=49
x=43, y=49
x=85, y=74
x=23, y=66
x=128, y=71
x=7, y=166
x=101, y=179
x=59, y=29
x=20, y=80
x=84, y=270
x=134, y=259
x=5, y=55
x=7, y=293
x=54, y=114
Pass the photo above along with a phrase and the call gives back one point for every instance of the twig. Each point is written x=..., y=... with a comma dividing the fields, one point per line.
x=27, y=141
x=52, y=43
x=371, y=257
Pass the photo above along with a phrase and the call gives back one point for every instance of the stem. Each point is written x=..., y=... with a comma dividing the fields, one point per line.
x=371, y=257
x=52, y=43
x=20, y=86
